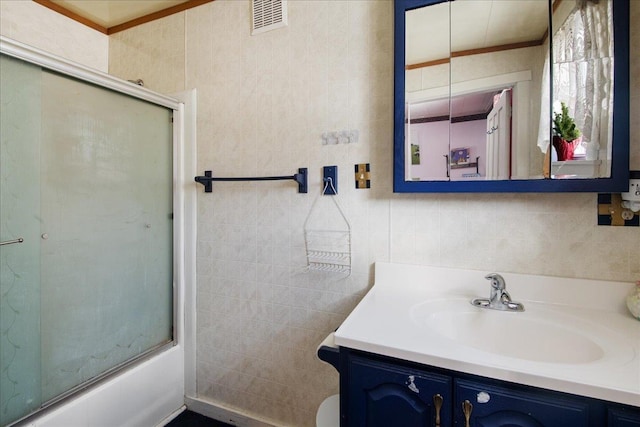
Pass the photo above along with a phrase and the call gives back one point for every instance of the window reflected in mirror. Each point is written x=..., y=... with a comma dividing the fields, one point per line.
x=581, y=91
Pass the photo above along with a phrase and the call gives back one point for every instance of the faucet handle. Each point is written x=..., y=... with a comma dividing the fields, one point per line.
x=497, y=281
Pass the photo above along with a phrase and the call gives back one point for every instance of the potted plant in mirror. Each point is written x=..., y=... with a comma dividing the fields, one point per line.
x=566, y=136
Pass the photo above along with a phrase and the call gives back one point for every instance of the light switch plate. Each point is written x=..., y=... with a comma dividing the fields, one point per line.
x=363, y=175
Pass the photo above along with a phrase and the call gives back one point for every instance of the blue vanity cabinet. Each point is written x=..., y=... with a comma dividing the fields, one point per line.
x=383, y=395
x=623, y=416
x=380, y=391
x=497, y=406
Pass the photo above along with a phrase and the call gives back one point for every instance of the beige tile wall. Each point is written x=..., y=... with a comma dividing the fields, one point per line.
x=37, y=26
x=263, y=103
x=153, y=52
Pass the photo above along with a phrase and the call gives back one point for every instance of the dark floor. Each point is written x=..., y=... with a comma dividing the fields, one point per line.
x=193, y=419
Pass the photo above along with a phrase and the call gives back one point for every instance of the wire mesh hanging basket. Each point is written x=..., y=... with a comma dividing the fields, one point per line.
x=327, y=235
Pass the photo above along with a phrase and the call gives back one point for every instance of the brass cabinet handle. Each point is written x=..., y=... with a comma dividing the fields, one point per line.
x=467, y=407
x=437, y=403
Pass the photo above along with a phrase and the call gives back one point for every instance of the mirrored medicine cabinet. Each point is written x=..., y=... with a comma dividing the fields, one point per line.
x=511, y=96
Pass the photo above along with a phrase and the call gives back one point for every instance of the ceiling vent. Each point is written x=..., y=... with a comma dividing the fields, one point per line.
x=268, y=15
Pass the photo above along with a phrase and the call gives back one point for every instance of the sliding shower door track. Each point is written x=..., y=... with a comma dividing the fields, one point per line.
x=52, y=404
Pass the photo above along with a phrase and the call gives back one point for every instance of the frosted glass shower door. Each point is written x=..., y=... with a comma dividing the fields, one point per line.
x=86, y=180
x=19, y=218
x=106, y=258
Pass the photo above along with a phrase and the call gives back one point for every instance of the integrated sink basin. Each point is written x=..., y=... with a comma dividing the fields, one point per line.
x=574, y=335
x=542, y=333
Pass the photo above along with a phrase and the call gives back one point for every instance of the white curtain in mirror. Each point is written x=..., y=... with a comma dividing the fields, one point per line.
x=583, y=76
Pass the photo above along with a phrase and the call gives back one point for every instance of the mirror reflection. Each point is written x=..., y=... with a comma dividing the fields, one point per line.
x=581, y=91
x=450, y=136
x=427, y=78
x=478, y=91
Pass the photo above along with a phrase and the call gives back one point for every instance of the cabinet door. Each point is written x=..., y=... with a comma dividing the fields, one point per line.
x=384, y=395
x=623, y=417
x=495, y=406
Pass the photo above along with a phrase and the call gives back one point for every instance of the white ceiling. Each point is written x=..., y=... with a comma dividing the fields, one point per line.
x=108, y=13
x=485, y=22
x=472, y=24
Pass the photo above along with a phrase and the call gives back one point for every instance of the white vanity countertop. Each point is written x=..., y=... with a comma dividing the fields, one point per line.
x=390, y=320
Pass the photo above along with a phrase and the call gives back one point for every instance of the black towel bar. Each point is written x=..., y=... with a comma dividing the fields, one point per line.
x=300, y=178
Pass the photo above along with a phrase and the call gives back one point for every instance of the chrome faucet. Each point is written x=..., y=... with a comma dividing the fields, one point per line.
x=499, y=293
x=499, y=298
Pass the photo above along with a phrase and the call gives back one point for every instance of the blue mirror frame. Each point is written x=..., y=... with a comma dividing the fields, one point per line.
x=619, y=180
